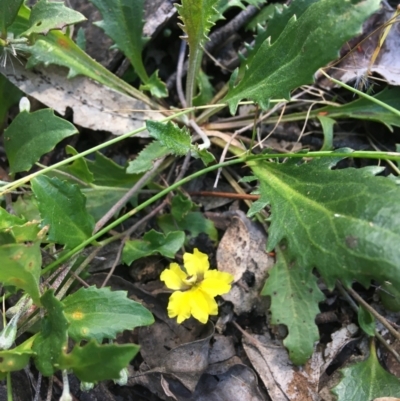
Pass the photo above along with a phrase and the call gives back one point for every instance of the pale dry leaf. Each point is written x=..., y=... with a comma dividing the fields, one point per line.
x=94, y=106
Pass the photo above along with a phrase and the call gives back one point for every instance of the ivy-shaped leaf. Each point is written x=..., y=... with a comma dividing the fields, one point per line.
x=99, y=313
x=294, y=302
x=93, y=362
x=176, y=139
x=62, y=207
x=306, y=44
x=146, y=158
x=123, y=23
x=52, y=339
x=346, y=223
x=46, y=15
x=31, y=135
x=366, y=380
x=153, y=242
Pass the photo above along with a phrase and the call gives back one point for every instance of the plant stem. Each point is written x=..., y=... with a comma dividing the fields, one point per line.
x=195, y=56
x=9, y=387
x=242, y=159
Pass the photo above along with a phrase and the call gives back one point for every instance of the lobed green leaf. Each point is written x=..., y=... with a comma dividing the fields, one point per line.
x=94, y=362
x=344, y=222
x=8, y=13
x=306, y=44
x=294, y=302
x=63, y=207
x=99, y=313
x=46, y=15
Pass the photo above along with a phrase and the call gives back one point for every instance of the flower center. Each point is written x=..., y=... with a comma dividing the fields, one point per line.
x=190, y=280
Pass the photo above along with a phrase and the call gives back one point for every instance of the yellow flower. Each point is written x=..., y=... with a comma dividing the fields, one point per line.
x=196, y=288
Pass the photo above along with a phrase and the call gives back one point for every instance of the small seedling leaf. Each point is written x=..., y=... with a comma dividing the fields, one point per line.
x=294, y=302
x=93, y=362
x=366, y=380
x=144, y=161
x=176, y=139
x=306, y=44
x=99, y=313
x=152, y=243
x=31, y=135
x=62, y=207
x=366, y=321
x=52, y=339
x=46, y=15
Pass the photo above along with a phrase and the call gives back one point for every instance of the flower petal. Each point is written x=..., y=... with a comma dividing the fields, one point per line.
x=173, y=277
x=179, y=305
x=202, y=305
x=216, y=283
x=196, y=263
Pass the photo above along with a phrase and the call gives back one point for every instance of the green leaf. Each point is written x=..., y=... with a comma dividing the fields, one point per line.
x=46, y=15
x=94, y=362
x=99, y=200
x=153, y=242
x=21, y=266
x=198, y=18
x=366, y=321
x=344, y=222
x=365, y=109
x=294, y=302
x=146, y=158
x=79, y=167
x=181, y=206
x=31, y=135
x=26, y=207
x=58, y=48
x=176, y=139
x=366, y=380
x=327, y=124
x=99, y=313
x=123, y=23
x=390, y=296
x=62, y=207
x=194, y=223
x=9, y=95
x=206, y=90
x=17, y=358
x=203, y=154
x=8, y=13
x=110, y=174
x=305, y=45
x=8, y=220
x=52, y=339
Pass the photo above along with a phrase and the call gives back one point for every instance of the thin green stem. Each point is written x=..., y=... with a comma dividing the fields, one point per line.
x=9, y=387
x=195, y=56
x=13, y=185
x=362, y=94
x=242, y=159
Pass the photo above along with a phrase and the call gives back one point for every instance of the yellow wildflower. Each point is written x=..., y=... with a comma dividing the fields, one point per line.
x=196, y=288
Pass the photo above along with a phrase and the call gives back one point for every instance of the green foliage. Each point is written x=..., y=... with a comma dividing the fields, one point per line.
x=17, y=358
x=97, y=314
x=390, y=296
x=366, y=321
x=294, y=302
x=306, y=44
x=62, y=207
x=152, y=243
x=8, y=13
x=51, y=340
x=146, y=158
x=336, y=220
x=176, y=139
x=9, y=95
x=123, y=23
x=366, y=381
x=31, y=135
x=46, y=16
x=93, y=362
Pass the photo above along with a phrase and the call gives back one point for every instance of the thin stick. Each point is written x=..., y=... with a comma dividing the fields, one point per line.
x=179, y=73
